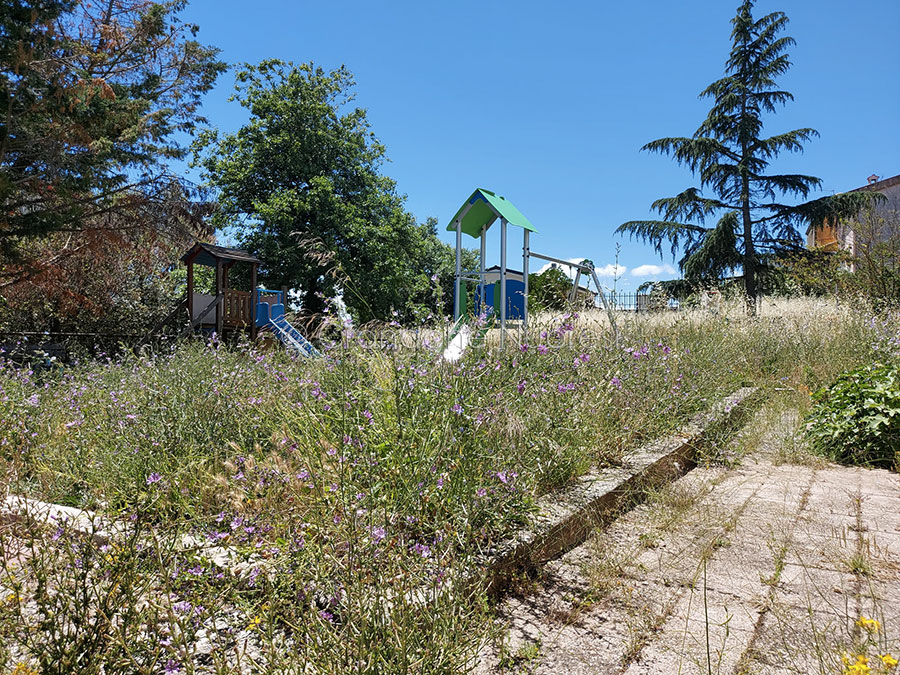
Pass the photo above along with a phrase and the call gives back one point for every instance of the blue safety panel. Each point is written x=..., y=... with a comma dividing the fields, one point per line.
x=262, y=314
x=515, y=299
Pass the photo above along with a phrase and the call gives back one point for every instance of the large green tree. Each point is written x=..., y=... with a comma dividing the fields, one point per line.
x=301, y=186
x=96, y=97
x=730, y=155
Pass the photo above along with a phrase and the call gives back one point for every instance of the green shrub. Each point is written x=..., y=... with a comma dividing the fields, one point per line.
x=857, y=419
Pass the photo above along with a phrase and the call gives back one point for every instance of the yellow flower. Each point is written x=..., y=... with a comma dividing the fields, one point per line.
x=871, y=625
x=889, y=661
x=22, y=669
x=858, y=669
x=861, y=667
x=254, y=623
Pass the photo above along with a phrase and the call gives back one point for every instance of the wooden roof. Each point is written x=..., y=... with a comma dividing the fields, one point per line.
x=209, y=255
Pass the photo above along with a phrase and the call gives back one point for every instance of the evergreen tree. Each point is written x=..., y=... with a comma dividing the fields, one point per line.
x=730, y=155
x=93, y=99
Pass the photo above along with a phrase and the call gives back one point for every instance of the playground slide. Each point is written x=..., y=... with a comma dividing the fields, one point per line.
x=462, y=335
x=458, y=343
x=272, y=317
x=291, y=337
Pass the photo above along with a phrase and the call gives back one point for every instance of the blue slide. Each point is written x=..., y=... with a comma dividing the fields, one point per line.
x=272, y=317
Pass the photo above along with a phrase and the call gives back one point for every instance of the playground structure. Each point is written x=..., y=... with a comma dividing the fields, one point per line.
x=227, y=310
x=501, y=293
x=507, y=296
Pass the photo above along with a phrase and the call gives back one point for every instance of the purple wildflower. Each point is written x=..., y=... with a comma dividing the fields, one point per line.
x=421, y=549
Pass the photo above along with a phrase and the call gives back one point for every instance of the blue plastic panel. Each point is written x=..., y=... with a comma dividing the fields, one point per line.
x=262, y=313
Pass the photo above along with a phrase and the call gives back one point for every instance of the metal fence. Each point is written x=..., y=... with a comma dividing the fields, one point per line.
x=639, y=302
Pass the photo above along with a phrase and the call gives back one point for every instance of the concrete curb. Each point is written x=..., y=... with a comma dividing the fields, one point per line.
x=15, y=508
x=565, y=519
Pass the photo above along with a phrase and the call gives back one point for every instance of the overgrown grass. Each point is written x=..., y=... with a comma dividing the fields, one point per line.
x=354, y=487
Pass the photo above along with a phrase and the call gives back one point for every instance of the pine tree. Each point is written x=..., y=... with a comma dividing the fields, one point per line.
x=95, y=99
x=730, y=156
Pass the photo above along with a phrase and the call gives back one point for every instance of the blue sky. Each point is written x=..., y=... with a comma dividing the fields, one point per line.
x=548, y=104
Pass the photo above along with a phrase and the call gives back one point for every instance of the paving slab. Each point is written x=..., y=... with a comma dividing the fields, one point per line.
x=761, y=568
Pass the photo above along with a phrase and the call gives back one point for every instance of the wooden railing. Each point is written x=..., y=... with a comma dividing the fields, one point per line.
x=238, y=309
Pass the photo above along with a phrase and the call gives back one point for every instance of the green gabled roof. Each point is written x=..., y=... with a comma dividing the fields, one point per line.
x=484, y=207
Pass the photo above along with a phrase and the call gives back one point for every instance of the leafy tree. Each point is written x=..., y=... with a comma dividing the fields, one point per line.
x=810, y=273
x=730, y=155
x=97, y=289
x=301, y=183
x=549, y=290
x=438, y=262
x=876, y=259
x=94, y=96
x=113, y=278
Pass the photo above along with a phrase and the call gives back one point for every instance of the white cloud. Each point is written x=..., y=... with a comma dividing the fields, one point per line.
x=569, y=271
x=611, y=270
x=605, y=271
x=653, y=270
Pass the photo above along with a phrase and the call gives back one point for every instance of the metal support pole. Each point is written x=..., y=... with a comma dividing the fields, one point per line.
x=458, y=281
x=481, y=289
x=574, y=292
x=559, y=261
x=502, y=282
x=600, y=291
x=525, y=255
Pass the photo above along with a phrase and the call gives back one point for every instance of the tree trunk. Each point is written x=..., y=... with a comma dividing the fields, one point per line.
x=750, y=289
x=749, y=250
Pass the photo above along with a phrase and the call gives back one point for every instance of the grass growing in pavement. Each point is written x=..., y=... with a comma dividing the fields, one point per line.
x=344, y=488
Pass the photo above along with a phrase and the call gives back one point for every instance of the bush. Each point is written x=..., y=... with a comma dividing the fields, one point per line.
x=857, y=419
x=549, y=290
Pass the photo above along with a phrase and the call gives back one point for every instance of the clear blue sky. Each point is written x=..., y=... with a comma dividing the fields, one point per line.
x=549, y=103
